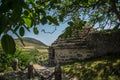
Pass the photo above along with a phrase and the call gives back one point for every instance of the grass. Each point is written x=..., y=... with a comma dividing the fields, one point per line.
x=99, y=68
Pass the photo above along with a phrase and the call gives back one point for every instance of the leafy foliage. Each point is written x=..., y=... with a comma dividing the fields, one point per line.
x=23, y=58
x=39, y=57
x=5, y=61
x=25, y=14
x=73, y=27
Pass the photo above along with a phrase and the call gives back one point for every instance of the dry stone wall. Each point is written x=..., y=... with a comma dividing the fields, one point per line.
x=95, y=44
x=104, y=42
x=69, y=55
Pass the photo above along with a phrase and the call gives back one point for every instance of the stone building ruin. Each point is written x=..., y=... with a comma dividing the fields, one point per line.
x=96, y=43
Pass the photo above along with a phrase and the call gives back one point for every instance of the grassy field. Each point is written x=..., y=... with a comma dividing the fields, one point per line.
x=99, y=68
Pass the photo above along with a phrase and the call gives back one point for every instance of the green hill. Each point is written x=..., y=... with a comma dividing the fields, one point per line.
x=29, y=42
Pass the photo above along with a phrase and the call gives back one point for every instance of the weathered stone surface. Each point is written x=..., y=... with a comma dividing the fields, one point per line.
x=96, y=43
x=105, y=43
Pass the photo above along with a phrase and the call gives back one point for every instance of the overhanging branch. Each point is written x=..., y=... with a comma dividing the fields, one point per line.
x=43, y=30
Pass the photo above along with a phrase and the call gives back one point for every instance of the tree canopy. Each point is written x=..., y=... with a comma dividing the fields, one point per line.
x=21, y=15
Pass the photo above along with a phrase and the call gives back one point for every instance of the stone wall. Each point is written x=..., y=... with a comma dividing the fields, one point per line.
x=69, y=55
x=95, y=44
x=104, y=42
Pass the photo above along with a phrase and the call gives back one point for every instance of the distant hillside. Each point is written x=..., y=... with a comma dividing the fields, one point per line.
x=30, y=45
x=30, y=42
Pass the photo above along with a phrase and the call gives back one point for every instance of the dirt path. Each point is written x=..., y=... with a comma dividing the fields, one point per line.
x=37, y=66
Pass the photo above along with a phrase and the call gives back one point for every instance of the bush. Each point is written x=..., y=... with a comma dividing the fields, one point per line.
x=6, y=60
x=23, y=57
x=39, y=57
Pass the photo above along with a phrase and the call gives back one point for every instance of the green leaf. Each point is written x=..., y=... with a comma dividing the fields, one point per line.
x=50, y=18
x=44, y=20
x=30, y=1
x=35, y=30
x=16, y=15
x=21, y=31
x=70, y=23
x=61, y=18
x=28, y=22
x=42, y=11
x=26, y=12
x=8, y=44
x=53, y=20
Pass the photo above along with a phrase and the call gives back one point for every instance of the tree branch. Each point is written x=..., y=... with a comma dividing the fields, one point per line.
x=43, y=30
x=17, y=36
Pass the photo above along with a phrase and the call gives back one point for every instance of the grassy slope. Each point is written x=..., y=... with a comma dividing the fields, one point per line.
x=31, y=45
x=99, y=68
x=31, y=42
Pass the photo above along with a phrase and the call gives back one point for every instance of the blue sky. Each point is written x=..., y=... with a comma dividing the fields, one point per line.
x=46, y=38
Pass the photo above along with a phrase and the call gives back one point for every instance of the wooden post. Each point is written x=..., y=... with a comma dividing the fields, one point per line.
x=30, y=71
x=58, y=72
x=15, y=64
